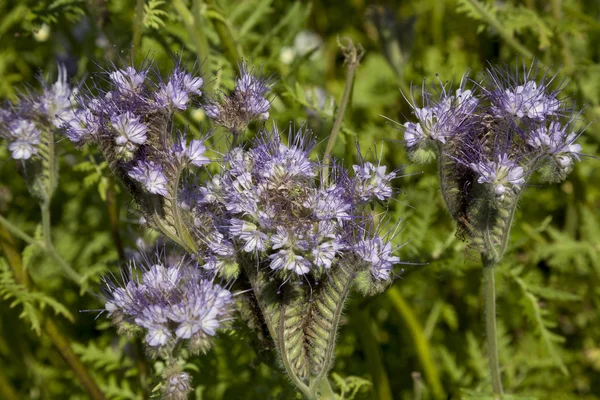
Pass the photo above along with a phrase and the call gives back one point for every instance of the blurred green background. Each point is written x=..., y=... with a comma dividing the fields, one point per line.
x=422, y=339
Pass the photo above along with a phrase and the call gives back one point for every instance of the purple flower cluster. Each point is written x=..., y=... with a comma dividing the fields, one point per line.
x=22, y=125
x=125, y=113
x=269, y=205
x=170, y=301
x=132, y=122
x=503, y=129
x=245, y=103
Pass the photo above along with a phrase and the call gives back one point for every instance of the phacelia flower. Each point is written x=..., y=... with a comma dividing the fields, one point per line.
x=270, y=204
x=170, y=300
x=150, y=175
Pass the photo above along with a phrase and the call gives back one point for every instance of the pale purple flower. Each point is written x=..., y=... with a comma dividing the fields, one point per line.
x=151, y=176
x=378, y=254
x=502, y=173
x=131, y=132
x=25, y=138
x=128, y=79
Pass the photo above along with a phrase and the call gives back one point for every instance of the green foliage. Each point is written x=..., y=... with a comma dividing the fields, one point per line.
x=33, y=303
x=547, y=285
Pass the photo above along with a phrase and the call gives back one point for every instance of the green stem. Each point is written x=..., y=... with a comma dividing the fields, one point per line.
x=325, y=390
x=372, y=350
x=138, y=24
x=490, y=325
x=192, y=21
x=16, y=231
x=231, y=48
x=420, y=341
x=497, y=25
x=201, y=40
x=352, y=55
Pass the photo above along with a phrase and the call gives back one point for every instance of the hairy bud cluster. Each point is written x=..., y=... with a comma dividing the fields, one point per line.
x=172, y=300
x=247, y=102
x=490, y=139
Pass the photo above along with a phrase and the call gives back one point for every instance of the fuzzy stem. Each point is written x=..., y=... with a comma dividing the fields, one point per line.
x=420, y=341
x=16, y=231
x=325, y=390
x=50, y=328
x=113, y=218
x=375, y=364
x=194, y=27
x=490, y=324
x=306, y=391
x=352, y=56
x=138, y=24
x=231, y=48
x=502, y=31
x=49, y=249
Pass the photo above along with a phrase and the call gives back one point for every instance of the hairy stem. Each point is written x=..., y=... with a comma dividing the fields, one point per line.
x=325, y=390
x=490, y=324
x=16, y=231
x=231, y=48
x=138, y=24
x=420, y=340
x=352, y=56
x=50, y=328
x=192, y=21
x=372, y=350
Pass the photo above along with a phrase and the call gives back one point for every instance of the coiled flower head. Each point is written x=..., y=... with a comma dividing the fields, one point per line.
x=490, y=140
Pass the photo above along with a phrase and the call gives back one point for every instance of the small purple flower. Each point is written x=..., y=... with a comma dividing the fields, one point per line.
x=25, y=138
x=554, y=140
x=151, y=176
x=373, y=182
x=176, y=92
x=55, y=101
x=288, y=260
x=128, y=80
x=501, y=173
x=194, y=152
x=170, y=301
x=378, y=254
x=130, y=130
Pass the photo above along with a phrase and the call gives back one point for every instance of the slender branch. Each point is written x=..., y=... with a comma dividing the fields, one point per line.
x=502, y=31
x=372, y=350
x=420, y=341
x=192, y=21
x=352, y=56
x=138, y=24
x=490, y=325
x=16, y=231
x=231, y=48
x=50, y=328
x=113, y=218
x=325, y=390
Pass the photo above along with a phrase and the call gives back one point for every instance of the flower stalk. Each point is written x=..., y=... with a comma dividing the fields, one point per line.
x=490, y=325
